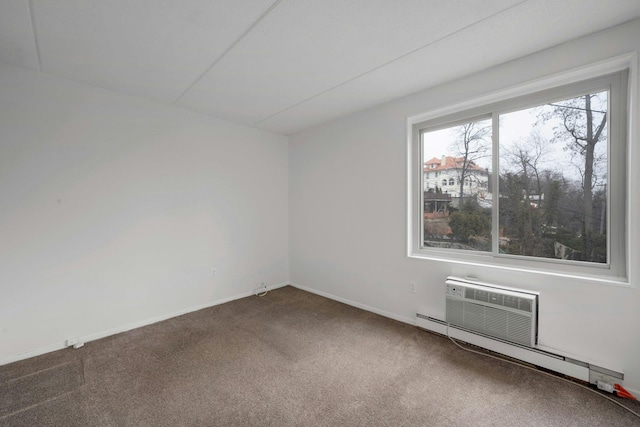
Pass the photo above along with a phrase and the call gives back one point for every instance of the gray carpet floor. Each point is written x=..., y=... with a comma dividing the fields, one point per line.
x=290, y=358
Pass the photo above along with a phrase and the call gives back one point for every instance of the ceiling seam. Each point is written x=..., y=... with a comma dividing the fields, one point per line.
x=35, y=33
x=228, y=49
x=389, y=62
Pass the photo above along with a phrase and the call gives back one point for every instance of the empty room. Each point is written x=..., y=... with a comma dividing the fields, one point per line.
x=319, y=213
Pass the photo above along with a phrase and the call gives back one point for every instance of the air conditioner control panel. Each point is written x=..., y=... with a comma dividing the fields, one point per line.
x=455, y=290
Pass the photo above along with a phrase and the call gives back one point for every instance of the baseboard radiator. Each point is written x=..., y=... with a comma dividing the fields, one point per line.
x=504, y=320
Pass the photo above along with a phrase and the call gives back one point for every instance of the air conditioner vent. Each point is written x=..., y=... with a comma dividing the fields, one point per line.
x=504, y=313
x=525, y=305
x=513, y=302
x=495, y=298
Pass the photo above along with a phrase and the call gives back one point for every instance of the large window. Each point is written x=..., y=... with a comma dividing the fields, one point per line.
x=533, y=181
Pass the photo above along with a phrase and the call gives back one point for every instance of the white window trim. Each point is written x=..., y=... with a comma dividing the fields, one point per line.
x=616, y=64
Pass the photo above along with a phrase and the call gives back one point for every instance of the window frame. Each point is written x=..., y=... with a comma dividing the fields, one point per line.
x=619, y=76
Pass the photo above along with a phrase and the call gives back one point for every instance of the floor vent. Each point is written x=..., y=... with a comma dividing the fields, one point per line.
x=504, y=313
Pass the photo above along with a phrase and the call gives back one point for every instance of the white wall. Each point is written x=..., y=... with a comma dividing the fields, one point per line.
x=347, y=209
x=113, y=211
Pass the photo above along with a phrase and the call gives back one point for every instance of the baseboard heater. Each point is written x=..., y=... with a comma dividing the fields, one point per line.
x=503, y=320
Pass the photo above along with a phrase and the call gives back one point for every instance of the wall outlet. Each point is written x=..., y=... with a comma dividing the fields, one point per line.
x=604, y=375
x=412, y=287
x=214, y=272
x=72, y=341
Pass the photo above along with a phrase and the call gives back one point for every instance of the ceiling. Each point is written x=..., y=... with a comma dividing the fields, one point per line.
x=285, y=65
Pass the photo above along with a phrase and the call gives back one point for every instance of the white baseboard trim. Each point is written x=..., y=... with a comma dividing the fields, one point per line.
x=561, y=364
x=124, y=328
x=384, y=313
x=553, y=362
x=33, y=353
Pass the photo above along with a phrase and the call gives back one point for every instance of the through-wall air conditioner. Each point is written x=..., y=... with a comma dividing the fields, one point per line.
x=504, y=313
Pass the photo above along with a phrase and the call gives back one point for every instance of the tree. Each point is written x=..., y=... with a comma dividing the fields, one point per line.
x=551, y=204
x=526, y=157
x=581, y=127
x=520, y=222
x=470, y=223
x=472, y=143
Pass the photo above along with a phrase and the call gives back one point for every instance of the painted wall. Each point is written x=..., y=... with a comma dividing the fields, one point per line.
x=114, y=210
x=347, y=209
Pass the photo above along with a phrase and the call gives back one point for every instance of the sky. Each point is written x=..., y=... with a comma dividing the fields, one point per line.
x=514, y=127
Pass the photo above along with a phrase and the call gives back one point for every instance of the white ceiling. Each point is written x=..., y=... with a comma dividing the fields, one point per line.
x=285, y=65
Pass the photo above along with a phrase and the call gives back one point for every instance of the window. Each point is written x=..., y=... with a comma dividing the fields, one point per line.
x=537, y=180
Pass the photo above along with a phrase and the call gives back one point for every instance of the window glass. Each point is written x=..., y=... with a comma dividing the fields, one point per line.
x=457, y=213
x=553, y=180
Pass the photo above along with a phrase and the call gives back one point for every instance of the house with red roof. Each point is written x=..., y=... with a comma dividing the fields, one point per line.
x=444, y=174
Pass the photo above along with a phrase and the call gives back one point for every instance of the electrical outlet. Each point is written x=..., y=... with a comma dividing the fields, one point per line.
x=72, y=341
x=604, y=375
x=594, y=377
x=412, y=287
x=214, y=272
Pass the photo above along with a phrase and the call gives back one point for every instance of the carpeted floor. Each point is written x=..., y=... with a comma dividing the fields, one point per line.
x=290, y=358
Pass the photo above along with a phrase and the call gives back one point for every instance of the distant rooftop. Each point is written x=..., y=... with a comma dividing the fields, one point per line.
x=449, y=162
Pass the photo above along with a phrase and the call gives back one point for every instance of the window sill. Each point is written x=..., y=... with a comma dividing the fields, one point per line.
x=488, y=261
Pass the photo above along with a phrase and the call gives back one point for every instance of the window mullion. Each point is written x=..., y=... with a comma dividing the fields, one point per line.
x=495, y=181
